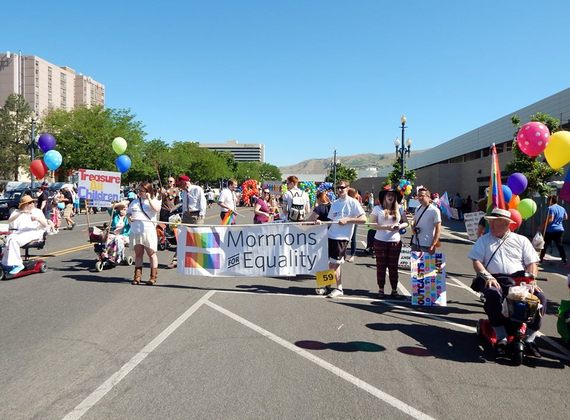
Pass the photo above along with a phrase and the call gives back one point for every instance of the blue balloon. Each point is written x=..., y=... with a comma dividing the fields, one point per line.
x=123, y=163
x=507, y=193
x=53, y=159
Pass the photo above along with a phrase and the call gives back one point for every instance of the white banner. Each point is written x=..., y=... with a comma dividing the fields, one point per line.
x=471, y=223
x=99, y=187
x=255, y=251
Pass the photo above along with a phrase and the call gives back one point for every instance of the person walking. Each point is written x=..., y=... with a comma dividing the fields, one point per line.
x=555, y=228
x=352, y=192
x=426, y=225
x=261, y=210
x=143, y=212
x=228, y=200
x=296, y=203
x=68, y=208
x=388, y=218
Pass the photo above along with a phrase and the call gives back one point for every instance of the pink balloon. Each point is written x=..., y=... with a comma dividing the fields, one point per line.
x=532, y=138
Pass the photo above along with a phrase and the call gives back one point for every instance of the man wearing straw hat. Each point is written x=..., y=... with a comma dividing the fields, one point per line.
x=497, y=257
x=30, y=223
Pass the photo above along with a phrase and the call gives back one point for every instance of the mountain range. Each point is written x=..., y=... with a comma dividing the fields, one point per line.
x=382, y=162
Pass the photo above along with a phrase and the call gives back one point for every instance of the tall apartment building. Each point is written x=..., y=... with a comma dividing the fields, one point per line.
x=45, y=85
x=240, y=152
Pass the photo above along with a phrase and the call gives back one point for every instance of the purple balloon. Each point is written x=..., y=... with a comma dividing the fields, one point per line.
x=517, y=182
x=46, y=142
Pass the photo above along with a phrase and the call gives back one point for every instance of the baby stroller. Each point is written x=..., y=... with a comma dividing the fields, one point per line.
x=168, y=232
x=108, y=254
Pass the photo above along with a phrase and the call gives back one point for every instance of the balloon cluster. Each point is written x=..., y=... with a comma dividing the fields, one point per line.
x=520, y=209
x=52, y=158
x=248, y=190
x=327, y=186
x=405, y=187
x=123, y=162
x=311, y=189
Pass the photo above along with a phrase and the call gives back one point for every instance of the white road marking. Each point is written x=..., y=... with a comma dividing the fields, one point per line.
x=381, y=395
x=118, y=376
x=463, y=286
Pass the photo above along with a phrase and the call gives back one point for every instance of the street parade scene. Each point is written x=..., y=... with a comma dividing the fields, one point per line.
x=149, y=274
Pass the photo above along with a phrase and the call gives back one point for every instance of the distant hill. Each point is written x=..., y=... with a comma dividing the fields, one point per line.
x=358, y=162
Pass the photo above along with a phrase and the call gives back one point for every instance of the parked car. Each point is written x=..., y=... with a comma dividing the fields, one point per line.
x=9, y=202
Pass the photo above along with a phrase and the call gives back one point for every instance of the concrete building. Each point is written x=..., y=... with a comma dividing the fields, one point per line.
x=463, y=165
x=241, y=152
x=45, y=85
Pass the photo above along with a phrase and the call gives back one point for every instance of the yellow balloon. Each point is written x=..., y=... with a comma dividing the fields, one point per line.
x=557, y=152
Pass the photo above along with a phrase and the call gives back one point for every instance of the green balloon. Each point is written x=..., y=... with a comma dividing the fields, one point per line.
x=526, y=208
x=119, y=145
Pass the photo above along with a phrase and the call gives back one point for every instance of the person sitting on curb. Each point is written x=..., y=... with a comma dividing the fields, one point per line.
x=30, y=224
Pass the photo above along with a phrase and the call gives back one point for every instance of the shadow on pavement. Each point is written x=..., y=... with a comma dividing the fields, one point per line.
x=351, y=346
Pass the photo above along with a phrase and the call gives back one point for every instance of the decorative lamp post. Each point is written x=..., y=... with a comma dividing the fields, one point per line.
x=401, y=149
x=32, y=146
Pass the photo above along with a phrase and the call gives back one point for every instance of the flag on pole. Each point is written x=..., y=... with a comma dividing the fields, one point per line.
x=228, y=218
x=495, y=198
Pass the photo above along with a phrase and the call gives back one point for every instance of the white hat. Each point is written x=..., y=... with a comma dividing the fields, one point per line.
x=498, y=213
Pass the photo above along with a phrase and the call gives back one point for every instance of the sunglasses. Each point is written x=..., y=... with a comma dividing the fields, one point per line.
x=170, y=181
x=341, y=187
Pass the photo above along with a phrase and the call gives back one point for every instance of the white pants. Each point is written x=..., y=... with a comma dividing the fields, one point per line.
x=14, y=242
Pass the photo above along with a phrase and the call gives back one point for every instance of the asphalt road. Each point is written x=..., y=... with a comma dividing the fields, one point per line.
x=75, y=342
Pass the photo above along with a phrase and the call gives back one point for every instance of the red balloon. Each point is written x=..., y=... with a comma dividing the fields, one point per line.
x=515, y=217
x=38, y=168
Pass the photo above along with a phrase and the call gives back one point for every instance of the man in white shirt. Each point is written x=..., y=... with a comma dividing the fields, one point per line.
x=296, y=203
x=228, y=200
x=427, y=224
x=346, y=211
x=497, y=257
x=193, y=201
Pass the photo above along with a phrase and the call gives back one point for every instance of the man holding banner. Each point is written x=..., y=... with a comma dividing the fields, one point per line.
x=345, y=211
x=427, y=224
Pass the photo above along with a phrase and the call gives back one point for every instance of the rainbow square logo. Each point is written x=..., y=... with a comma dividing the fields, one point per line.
x=201, y=260
x=203, y=240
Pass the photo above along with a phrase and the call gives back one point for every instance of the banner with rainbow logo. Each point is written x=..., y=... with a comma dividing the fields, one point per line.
x=255, y=251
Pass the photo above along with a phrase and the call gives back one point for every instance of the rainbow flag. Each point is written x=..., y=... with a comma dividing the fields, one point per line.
x=495, y=198
x=202, y=239
x=229, y=218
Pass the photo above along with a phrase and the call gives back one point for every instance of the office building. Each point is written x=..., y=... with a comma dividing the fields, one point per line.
x=45, y=85
x=241, y=152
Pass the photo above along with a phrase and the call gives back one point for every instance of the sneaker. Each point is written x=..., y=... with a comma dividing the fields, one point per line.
x=501, y=348
x=350, y=259
x=321, y=291
x=531, y=349
x=335, y=293
x=16, y=269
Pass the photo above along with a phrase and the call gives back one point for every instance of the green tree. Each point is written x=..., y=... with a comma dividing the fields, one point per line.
x=342, y=172
x=396, y=174
x=15, y=124
x=84, y=137
x=537, y=172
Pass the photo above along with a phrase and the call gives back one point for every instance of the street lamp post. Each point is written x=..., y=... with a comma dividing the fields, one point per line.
x=32, y=146
x=401, y=149
x=334, y=168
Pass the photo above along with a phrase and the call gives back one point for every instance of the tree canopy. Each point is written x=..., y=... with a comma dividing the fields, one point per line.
x=15, y=127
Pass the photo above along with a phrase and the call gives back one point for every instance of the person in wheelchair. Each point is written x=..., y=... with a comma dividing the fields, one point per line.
x=29, y=224
x=118, y=237
x=499, y=256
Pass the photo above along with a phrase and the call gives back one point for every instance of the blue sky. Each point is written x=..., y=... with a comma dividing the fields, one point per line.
x=305, y=77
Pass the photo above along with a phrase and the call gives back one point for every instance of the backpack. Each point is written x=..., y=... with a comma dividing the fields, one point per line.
x=297, y=208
